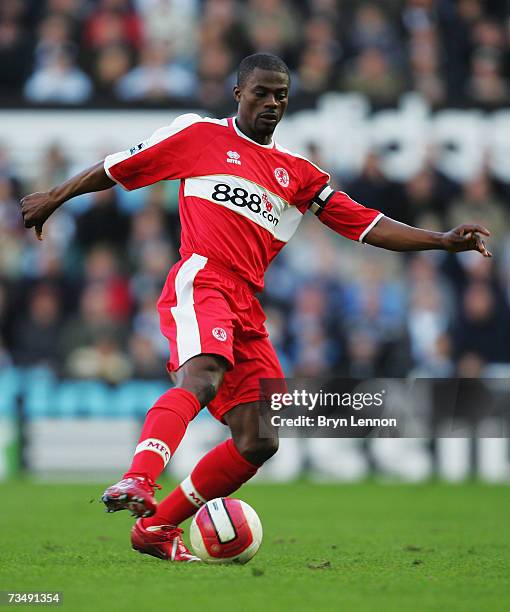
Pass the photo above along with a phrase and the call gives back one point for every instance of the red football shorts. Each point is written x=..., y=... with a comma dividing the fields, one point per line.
x=205, y=308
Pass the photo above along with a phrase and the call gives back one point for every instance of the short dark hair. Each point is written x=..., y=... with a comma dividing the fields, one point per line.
x=264, y=61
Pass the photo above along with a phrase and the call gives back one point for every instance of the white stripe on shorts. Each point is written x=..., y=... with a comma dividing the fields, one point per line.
x=193, y=496
x=188, y=333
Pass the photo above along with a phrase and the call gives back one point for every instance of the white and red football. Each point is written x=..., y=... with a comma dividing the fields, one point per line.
x=226, y=530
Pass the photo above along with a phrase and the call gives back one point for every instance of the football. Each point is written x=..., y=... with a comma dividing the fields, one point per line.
x=226, y=530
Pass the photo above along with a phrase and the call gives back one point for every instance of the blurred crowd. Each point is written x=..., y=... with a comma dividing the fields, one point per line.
x=111, y=52
x=83, y=301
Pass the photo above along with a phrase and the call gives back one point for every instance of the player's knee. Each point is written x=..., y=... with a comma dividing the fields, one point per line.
x=257, y=450
x=203, y=377
x=205, y=389
x=207, y=392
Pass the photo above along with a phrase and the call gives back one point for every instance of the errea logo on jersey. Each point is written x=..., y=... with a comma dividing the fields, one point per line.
x=233, y=157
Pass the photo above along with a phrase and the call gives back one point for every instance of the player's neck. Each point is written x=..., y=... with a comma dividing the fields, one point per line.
x=263, y=139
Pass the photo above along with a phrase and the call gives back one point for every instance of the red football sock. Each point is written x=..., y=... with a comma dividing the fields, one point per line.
x=163, y=430
x=218, y=474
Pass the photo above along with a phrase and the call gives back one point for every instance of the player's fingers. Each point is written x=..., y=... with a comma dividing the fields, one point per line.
x=480, y=229
x=480, y=246
x=38, y=232
x=469, y=228
x=485, y=251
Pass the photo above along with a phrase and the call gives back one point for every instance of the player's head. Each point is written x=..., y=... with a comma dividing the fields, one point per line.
x=262, y=91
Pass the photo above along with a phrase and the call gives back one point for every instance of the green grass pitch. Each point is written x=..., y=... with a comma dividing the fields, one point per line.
x=347, y=547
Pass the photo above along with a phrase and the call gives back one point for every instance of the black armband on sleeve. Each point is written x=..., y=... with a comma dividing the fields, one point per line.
x=321, y=198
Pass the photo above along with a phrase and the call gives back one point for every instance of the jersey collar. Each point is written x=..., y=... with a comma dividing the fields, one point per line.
x=242, y=135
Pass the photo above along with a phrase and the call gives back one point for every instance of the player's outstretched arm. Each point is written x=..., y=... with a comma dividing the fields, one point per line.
x=396, y=236
x=37, y=207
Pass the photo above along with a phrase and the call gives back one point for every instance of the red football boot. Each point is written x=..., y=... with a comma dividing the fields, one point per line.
x=135, y=494
x=161, y=541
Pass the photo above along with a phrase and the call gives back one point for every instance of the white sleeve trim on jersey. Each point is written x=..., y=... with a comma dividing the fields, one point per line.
x=178, y=124
x=284, y=150
x=373, y=224
x=107, y=170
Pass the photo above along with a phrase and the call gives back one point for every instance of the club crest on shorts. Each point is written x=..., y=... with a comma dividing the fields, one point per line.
x=282, y=176
x=219, y=333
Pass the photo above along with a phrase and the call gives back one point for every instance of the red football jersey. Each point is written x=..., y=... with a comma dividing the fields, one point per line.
x=239, y=201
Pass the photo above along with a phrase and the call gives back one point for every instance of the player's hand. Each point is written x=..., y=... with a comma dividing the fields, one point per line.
x=35, y=210
x=466, y=237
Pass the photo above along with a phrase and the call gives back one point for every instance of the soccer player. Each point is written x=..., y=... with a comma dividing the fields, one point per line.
x=242, y=197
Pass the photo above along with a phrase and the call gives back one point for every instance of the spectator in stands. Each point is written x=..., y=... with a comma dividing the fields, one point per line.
x=55, y=35
x=91, y=324
x=164, y=20
x=214, y=66
x=314, y=349
x=371, y=29
x=267, y=38
x=278, y=17
x=276, y=325
x=72, y=9
x=146, y=324
x=102, y=222
x=427, y=322
x=15, y=57
x=477, y=202
x=11, y=240
x=103, y=359
x=221, y=25
x=488, y=35
x=373, y=189
x=157, y=77
x=371, y=74
x=482, y=329
x=102, y=267
x=7, y=308
x=424, y=67
x=58, y=81
x=152, y=269
x=37, y=330
x=145, y=361
x=148, y=227
x=324, y=8
x=420, y=198
x=321, y=30
x=113, y=22
x=54, y=167
x=375, y=301
x=485, y=84
x=362, y=354
x=315, y=71
x=112, y=63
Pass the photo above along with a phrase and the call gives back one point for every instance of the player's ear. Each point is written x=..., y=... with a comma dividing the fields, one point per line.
x=237, y=93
